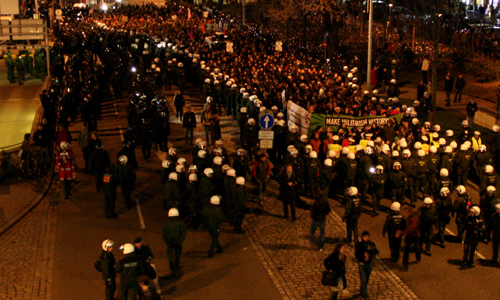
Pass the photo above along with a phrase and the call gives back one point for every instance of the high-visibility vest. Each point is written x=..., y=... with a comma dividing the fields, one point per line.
x=476, y=143
x=363, y=143
x=426, y=147
x=352, y=148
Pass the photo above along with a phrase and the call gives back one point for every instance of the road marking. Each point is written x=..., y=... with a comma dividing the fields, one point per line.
x=121, y=134
x=139, y=212
x=157, y=284
x=453, y=234
x=116, y=110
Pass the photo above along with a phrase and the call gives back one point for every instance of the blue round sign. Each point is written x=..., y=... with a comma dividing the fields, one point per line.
x=266, y=121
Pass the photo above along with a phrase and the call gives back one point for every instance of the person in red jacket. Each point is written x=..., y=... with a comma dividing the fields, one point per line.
x=412, y=232
x=66, y=173
x=261, y=173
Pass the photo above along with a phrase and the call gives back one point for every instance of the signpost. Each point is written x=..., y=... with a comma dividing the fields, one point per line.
x=266, y=135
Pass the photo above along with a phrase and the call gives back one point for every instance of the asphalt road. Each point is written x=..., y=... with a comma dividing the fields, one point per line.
x=18, y=105
x=439, y=276
x=81, y=227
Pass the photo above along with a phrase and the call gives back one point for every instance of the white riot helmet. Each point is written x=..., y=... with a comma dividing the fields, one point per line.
x=308, y=148
x=482, y=148
x=352, y=191
x=313, y=154
x=421, y=153
x=179, y=168
x=173, y=176
x=395, y=206
x=379, y=168
x=106, y=244
x=218, y=160
x=202, y=154
x=433, y=149
x=437, y=128
x=165, y=164
x=428, y=200
x=461, y=189
x=444, y=192
x=417, y=145
x=240, y=180
x=208, y=172
x=303, y=138
x=351, y=155
x=231, y=172
x=406, y=152
x=489, y=169
x=495, y=128
x=368, y=151
x=172, y=151
x=128, y=248
x=449, y=133
x=395, y=153
x=443, y=172
x=476, y=210
x=173, y=212
x=396, y=164
x=328, y=162
x=491, y=190
x=215, y=200
x=123, y=159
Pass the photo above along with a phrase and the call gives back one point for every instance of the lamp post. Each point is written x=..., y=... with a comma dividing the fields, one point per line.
x=390, y=15
x=369, y=64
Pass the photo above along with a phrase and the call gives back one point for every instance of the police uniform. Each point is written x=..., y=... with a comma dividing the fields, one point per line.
x=351, y=216
x=394, y=222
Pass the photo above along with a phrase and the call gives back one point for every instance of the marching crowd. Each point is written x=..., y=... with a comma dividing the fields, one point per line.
x=161, y=47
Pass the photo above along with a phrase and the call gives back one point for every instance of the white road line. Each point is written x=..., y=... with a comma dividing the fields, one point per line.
x=121, y=134
x=116, y=110
x=157, y=284
x=453, y=234
x=139, y=212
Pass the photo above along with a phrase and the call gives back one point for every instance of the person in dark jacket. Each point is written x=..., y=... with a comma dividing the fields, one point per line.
x=173, y=234
x=449, y=81
x=109, y=187
x=171, y=193
x=473, y=227
x=459, y=88
x=189, y=124
x=352, y=213
x=130, y=267
x=428, y=221
x=319, y=212
x=471, y=111
x=107, y=260
x=239, y=197
x=365, y=252
x=494, y=228
x=99, y=161
x=335, y=263
x=179, y=103
x=126, y=177
x=288, y=181
x=212, y=217
x=394, y=222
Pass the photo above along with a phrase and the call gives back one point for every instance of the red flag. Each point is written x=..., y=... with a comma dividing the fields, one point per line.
x=203, y=28
x=191, y=35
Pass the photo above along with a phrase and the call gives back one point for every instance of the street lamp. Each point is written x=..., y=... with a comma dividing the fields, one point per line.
x=390, y=15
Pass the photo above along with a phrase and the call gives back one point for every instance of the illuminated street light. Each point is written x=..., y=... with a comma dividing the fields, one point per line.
x=104, y=7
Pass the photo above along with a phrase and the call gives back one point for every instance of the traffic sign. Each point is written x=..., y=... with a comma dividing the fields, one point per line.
x=266, y=134
x=266, y=144
x=266, y=121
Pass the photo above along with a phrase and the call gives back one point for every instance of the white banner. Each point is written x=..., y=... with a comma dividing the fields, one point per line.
x=298, y=116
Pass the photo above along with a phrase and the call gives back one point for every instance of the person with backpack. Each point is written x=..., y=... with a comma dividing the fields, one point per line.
x=106, y=264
